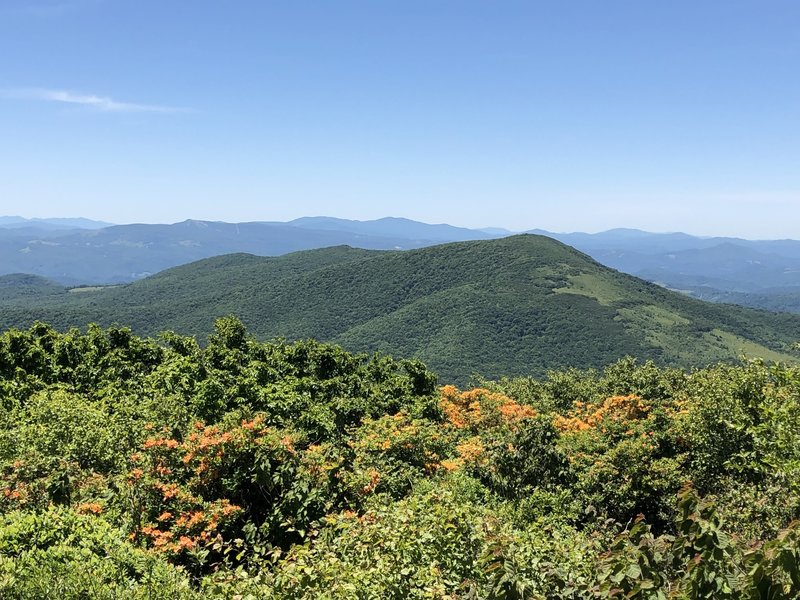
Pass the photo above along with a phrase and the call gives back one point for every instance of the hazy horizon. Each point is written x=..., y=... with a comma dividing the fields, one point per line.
x=477, y=228
x=580, y=117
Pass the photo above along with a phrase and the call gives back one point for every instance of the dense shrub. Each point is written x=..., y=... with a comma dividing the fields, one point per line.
x=58, y=553
x=142, y=468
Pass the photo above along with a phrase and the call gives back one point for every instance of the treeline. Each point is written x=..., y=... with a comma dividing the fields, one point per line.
x=159, y=468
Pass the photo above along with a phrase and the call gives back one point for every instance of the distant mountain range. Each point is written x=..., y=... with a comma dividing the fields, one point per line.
x=517, y=305
x=124, y=253
x=83, y=252
x=394, y=228
x=56, y=223
x=748, y=272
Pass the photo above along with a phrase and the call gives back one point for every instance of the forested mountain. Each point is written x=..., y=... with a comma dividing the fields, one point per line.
x=21, y=286
x=83, y=252
x=515, y=305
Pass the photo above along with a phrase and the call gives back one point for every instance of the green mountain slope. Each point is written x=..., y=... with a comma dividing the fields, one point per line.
x=22, y=287
x=516, y=305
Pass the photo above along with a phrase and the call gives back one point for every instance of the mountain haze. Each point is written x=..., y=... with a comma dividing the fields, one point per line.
x=14, y=222
x=516, y=305
x=735, y=262
x=396, y=227
x=759, y=273
x=124, y=253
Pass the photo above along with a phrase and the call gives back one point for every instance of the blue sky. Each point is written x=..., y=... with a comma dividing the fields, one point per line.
x=579, y=115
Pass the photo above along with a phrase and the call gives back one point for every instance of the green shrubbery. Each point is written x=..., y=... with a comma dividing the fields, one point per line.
x=142, y=468
x=58, y=553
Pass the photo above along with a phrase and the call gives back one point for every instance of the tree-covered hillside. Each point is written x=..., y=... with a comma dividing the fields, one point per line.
x=19, y=287
x=517, y=305
x=79, y=252
x=156, y=468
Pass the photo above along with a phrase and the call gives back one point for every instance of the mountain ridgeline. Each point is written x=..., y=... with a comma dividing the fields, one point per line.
x=125, y=253
x=74, y=252
x=516, y=305
x=763, y=274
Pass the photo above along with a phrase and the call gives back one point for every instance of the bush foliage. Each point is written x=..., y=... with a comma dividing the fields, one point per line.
x=159, y=468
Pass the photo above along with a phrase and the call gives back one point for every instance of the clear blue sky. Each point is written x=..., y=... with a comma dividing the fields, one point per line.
x=580, y=115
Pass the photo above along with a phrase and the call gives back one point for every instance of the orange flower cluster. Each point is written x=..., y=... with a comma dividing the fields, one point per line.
x=172, y=474
x=452, y=465
x=318, y=463
x=471, y=452
x=157, y=442
x=12, y=494
x=191, y=529
x=374, y=480
x=587, y=416
x=206, y=445
x=168, y=490
x=480, y=408
x=160, y=539
x=89, y=508
x=288, y=443
x=401, y=437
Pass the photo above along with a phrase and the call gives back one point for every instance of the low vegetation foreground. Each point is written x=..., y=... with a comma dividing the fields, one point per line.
x=156, y=468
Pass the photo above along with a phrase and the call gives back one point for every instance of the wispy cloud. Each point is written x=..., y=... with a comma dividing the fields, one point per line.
x=90, y=101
